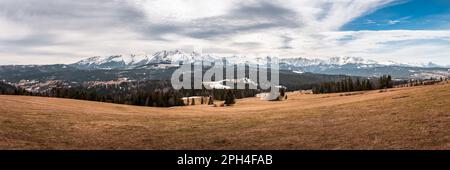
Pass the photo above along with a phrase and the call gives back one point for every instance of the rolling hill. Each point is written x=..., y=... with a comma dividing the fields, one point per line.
x=402, y=118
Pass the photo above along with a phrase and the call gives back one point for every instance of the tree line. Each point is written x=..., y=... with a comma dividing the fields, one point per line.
x=152, y=93
x=354, y=84
x=7, y=89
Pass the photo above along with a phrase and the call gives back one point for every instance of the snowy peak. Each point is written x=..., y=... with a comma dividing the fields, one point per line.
x=88, y=61
x=133, y=60
x=138, y=60
x=423, y=65
x=349, y=60
x=302, y=62
x=108, y=62
x=173, y=58
x=177, y=56
x=112, y=62
x=335, y=61
x=169, y=57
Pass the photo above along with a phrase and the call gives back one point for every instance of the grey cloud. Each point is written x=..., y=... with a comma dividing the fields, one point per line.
x=345, y=39
x=262, y=10
x=247, y=44
x=96, y=16
x=152, y=31
x=244, y=18
x=220, y=50
x=286, y=42
x=46, y=18
x=326, y=8
x=42, y=39
x=100, y=15
x=60, y=14
x=24, y=50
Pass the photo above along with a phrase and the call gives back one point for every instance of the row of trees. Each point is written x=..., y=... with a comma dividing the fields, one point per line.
x=156, y=98
x=345, y=85
x=230, y=98
x=351, y=84
x=7, y=89
x=153, y=98
x=385, y=82
x=148, y=93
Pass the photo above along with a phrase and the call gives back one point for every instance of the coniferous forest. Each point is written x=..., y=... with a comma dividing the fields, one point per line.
x=355, y=84
x=154, y=93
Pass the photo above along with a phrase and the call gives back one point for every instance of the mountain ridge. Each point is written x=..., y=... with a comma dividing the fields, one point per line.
x=177, y=56
x=161, y=65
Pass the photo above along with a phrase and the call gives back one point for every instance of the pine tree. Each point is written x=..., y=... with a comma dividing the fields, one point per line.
x=210, y=100
x=390, y=84
x=229, y=98
x=350, y=85
x=358, y=85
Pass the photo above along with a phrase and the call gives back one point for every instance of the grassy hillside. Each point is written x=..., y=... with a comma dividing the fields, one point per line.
x=408, y=118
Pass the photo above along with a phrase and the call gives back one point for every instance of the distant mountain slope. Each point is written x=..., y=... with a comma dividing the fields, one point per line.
x=354, y=66
x=177, y=56
x=161, y=65
x=112, y=62
x=137, y=61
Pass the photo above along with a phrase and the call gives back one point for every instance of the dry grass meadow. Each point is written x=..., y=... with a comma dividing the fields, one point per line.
x=406, y=118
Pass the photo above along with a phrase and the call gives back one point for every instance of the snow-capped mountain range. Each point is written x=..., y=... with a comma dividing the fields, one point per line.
x=177, y=56
x=134, y=61
x=161, y=65
x=335, y=61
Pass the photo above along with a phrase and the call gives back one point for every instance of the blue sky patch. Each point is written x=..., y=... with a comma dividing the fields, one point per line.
x=410, y=15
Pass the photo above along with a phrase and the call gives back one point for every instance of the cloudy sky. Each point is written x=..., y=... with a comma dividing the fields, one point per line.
x=64, y=31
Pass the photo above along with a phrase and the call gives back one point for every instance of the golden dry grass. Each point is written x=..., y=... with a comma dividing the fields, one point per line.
x=407, y=118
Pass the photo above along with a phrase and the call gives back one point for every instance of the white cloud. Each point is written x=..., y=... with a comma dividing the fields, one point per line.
x=183, y=10
x=393, y=22
x=10, y=30
x=397, y=45
x=331, y=15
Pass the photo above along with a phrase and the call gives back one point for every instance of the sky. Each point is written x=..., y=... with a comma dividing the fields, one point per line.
x=65, y=31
